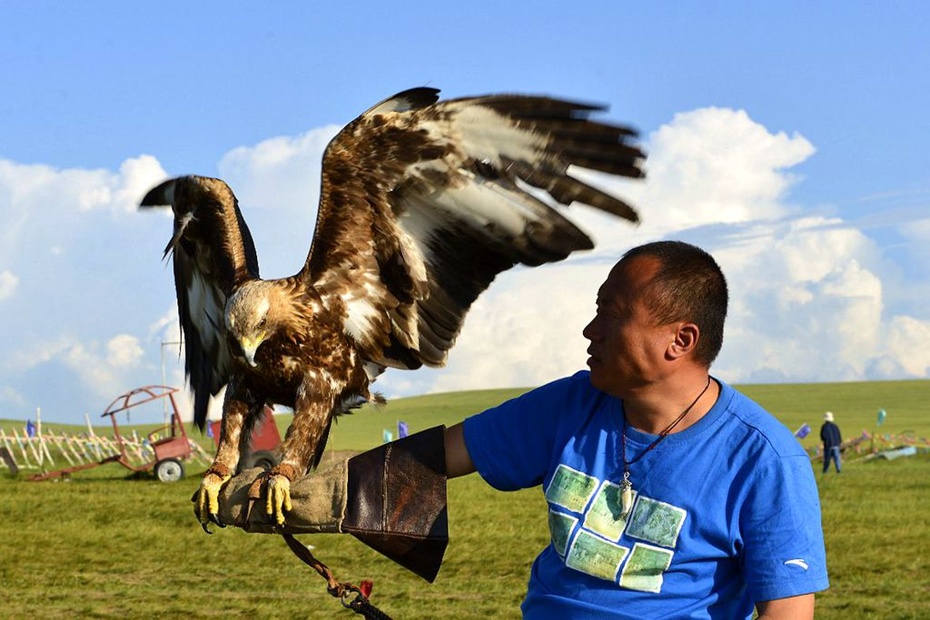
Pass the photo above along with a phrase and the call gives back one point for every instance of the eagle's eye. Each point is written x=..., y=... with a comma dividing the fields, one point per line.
x=261, y=324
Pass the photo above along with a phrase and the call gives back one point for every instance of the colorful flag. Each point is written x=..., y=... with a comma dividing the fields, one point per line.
x=387, y=436
x=881, y=417
x=402, y=430
x=803, y=431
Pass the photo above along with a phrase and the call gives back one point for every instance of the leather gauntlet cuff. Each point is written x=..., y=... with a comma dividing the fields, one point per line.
x=396, y=501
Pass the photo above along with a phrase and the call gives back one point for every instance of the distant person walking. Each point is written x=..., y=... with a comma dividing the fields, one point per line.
x=830, y=435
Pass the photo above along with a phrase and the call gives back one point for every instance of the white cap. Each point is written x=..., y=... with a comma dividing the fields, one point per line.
x=828, y=416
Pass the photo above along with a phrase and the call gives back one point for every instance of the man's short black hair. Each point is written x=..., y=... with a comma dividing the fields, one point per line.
x=688, y=286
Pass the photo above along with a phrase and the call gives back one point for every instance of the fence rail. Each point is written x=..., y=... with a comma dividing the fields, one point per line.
x=43, y=450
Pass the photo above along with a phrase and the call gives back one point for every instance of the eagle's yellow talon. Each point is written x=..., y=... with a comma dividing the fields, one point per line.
x=208, y=500
x=278, y=498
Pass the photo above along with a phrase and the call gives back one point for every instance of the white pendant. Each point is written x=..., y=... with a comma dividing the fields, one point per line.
x=626, y=498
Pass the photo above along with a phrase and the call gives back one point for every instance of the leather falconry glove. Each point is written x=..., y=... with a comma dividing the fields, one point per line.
x=392, y=498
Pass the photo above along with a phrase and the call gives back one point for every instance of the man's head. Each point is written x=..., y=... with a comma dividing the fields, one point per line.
x=688, y=286
x=663, y=303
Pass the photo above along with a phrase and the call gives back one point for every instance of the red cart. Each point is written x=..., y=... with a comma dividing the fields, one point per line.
x=169, y=443
x=264, y=445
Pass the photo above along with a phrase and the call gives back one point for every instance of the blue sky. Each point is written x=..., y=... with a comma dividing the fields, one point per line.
x=788, y=138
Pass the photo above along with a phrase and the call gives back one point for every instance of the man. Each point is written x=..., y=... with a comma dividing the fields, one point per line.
x=831, y=438
x=670, y=494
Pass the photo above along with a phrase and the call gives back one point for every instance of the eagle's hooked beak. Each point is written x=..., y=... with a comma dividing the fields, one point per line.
x=250, y=346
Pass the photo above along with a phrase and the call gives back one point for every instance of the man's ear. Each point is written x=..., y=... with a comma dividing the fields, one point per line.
x=686, y=340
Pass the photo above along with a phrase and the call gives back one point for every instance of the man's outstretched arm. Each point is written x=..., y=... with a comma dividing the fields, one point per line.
x=458, y=461
x=791, y=608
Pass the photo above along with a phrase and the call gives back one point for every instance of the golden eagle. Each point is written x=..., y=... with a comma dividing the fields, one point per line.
x=423, y=202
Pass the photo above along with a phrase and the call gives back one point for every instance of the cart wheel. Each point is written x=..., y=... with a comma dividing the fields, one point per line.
x=265, y=459
x=169, y=470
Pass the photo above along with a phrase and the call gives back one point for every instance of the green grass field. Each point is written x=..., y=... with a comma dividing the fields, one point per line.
x=106, y=546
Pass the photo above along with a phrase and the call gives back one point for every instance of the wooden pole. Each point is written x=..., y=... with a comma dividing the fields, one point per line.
x=82, y=444
x=61, y=448
x=22, y=448
x=93, y=437
x=4, y=440
x=43, y=444
x=199, y=451
x=69, y=444
x=65, y=446
x=32, y=448
x=6, y=444
x=103, y=444
x=137, y=445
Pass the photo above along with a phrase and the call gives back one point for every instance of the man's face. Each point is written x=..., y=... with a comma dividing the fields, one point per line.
x=627, y=350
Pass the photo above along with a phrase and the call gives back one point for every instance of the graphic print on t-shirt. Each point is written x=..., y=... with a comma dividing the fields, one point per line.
x=586, y=527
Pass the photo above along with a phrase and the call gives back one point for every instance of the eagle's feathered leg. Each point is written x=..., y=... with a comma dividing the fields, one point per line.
x=303, y=444
x=224, y=464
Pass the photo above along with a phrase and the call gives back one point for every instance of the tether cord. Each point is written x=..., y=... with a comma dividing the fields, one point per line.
x=341, y=590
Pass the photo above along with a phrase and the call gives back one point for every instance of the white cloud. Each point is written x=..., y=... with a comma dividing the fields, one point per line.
x=8, y=284
x=916, y=236
x=123, y=351
x=32, y=186
x=277, y=183
x=85, y=268
x=526, y=329
x=708, y=166
x=50, y=214
x=167, y=327
x=36, y=353
x=13, y=400
x=106, y=369
x=719, y=163
x=136, y=176
x=918, y=231
x=804, y=304
x=907, y=342
x=808, y=300
x=102, y=366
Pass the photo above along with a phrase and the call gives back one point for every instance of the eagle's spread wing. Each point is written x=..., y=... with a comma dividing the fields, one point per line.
x=424, y=203
x=213, y=252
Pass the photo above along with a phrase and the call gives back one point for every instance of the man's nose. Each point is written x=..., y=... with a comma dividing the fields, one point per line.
x=590, y=331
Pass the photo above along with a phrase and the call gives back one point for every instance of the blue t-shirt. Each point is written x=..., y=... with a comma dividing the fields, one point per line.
x=725, y=512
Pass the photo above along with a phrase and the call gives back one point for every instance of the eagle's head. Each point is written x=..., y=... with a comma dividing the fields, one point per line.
x=255, y=312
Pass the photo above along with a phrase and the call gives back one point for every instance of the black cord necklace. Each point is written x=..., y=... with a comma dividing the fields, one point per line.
x=626, y=487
